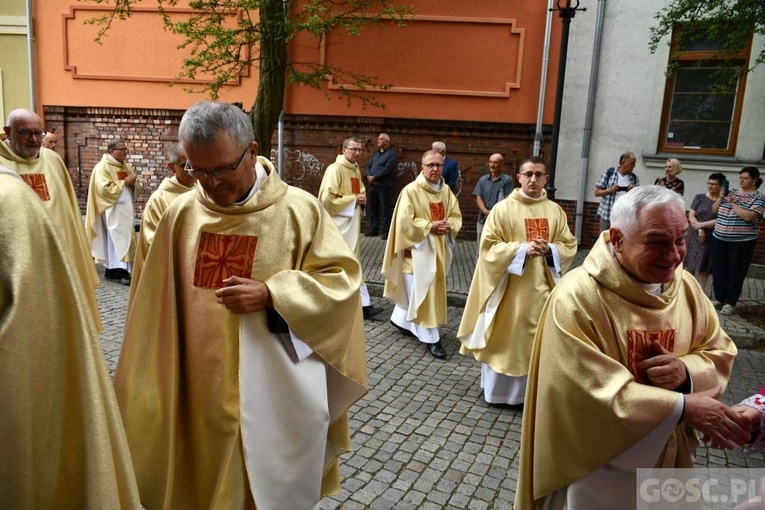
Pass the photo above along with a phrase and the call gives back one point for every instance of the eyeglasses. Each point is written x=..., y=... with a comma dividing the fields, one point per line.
x=353, y=149
x=29, y=134
x=218, y=173
x=431, y=166
x=120, y=149
x=529, y=175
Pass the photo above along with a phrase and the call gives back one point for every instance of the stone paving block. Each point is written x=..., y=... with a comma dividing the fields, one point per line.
x=423, y=436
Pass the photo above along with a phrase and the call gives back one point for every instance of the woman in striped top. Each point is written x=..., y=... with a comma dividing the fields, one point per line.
x=734, y=238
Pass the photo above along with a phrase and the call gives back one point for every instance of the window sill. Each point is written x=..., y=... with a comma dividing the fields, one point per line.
x=700, y=162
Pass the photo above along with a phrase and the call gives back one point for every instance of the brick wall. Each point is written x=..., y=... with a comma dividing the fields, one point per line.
x=311, y=144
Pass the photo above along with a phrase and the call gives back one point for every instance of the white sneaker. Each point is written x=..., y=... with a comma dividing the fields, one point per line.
x=728, y=309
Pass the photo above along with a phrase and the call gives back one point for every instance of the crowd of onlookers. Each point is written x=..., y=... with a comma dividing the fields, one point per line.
x=723, y=223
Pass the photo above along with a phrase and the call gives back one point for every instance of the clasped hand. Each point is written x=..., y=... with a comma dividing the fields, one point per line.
x=242, y=295
x=440, y=227
x=538, y=247
x=664, y=369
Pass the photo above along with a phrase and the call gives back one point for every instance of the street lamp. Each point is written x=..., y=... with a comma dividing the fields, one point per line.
x=566, y=11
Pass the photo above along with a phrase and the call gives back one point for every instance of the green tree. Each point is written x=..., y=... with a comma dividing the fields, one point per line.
x=226, y=37
x=731, y=23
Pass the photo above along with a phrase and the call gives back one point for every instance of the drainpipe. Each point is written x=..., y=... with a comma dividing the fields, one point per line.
x=31, y=56
x=543, y=79
x=587, y=136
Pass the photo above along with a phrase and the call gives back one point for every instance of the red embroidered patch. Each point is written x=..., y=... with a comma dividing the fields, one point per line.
x=537, y=228
x=640, y=347
x=220, y=256
x=121, y=175
x=355, y=186
x=38, y=184
x=437, y=212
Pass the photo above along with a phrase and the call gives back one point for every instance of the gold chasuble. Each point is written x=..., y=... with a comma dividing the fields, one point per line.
x=418, y=206
x=509, y=336
x=63, y=445
x=585, y=404
x=218, y=412
x=48, y=177
x=337, y=193
x=106, y=186
x=169, y=189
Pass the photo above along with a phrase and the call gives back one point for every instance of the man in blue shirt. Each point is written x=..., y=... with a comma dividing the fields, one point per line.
x=450, y=165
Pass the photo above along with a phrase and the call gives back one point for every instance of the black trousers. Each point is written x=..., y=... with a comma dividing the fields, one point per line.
x=730, y=263
x=379, y=209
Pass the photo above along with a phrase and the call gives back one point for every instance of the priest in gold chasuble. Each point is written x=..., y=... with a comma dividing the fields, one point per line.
x=343, y=195
x=44, y=171
x=244, y=345
x=61, y=436
x=426, y=221
x=525, y=246
x=628, y=359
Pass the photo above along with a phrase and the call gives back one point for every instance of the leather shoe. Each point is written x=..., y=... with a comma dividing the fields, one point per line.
x=403, y=331
x=370, y=311
x=437, y=351
x=126, y=281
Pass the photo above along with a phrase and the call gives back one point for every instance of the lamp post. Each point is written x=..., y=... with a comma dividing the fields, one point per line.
x=566, y=11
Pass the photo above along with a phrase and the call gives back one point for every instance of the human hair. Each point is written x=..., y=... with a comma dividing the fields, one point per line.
x=627, y=155
x=113, y=143
x=18, y=114
x=205, y=121
x=754, y=173
x=501, y=157
x=439, y=147
x=429, y=153
x=676, y=165
x=174, y=152
x=625, y=214
x=717, y=176
x=535, y=160
x=386, y=136
x=349, y=140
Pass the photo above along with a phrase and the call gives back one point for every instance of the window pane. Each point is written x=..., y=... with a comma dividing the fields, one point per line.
x=702, y=107
x=700, y=116
x=703, y=45
x=698, y=135
x=701, y=79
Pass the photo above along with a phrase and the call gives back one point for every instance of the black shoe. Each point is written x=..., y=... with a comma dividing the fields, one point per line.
x=112, y=274
x=437, y=351
x=403, y=331
x=126, y=280
x=370, y=311
x=371, y=234
x=384, y=237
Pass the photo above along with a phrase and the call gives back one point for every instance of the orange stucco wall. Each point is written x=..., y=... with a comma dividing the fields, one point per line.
x=451, y=62
x=132, y=68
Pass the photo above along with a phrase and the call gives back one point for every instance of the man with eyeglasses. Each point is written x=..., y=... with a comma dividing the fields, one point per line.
x=45, y=172
x=343, y=195
x=379, y=180
x=418, y=254
x=613, y=184
x=110, y=212
x=525, y=247
x=244, y=343
x=176, y=184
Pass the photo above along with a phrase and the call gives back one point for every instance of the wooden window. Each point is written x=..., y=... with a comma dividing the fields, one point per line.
x=701, y=108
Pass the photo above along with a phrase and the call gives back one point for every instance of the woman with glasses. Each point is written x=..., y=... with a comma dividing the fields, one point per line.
x=702, y=220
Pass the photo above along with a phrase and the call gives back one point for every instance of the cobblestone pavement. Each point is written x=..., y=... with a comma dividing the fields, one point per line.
x=423, y=437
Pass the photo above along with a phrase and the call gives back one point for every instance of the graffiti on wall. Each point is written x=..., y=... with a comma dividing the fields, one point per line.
x=297, y=164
